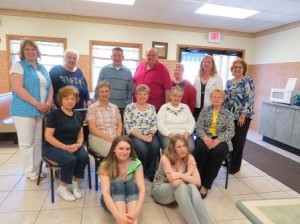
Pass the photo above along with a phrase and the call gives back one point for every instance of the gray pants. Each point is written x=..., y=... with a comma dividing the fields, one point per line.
x=188, y=199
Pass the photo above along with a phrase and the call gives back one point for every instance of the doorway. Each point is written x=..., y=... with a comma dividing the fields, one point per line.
x=191, y=56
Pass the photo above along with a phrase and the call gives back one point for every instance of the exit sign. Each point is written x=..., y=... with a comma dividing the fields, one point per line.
x=214, y=37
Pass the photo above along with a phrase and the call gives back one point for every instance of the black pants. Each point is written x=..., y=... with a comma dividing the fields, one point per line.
x=238, y=142
x=209, y=161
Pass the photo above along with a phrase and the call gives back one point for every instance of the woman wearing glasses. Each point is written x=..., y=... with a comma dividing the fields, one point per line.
x=240, y=101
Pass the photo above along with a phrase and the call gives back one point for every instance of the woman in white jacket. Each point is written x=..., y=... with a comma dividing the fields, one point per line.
x=205, y=82
x=175, y=118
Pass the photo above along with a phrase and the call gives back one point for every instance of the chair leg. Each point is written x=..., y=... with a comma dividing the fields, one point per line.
x=89, y=174
x=52, y=184
x=40, y=171
x=227, y=172
x=96, y=174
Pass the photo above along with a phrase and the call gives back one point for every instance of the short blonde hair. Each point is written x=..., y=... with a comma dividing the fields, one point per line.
x=218, y=91
x=142, y=88
x=31, y=43
x=67, y=91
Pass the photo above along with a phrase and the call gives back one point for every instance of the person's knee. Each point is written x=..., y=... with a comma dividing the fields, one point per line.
x=118, y=191
x=132, y=192
x=83, y=157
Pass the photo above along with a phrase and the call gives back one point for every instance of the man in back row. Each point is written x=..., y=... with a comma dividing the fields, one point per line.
x=156, y=76
x=120, y=80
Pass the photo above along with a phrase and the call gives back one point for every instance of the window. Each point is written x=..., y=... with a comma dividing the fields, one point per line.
x=101, y=56
x=192, y=56
x=52, y=49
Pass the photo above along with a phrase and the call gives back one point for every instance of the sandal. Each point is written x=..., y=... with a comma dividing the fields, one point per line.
x=43, y=175
x=34, y=178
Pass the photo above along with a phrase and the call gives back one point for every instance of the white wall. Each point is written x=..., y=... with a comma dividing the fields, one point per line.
x=78, y=35
x=278, y=47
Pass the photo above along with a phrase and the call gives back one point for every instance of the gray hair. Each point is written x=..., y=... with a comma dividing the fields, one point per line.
x=176, y=88
x=179, y=65
x=100, y=85
x=71, y=51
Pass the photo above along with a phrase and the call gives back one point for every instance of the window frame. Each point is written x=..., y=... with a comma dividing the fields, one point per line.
x=114, y=44
x=10, y=37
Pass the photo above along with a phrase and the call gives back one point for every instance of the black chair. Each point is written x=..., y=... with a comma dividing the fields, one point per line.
x=54, y=167
x=228, y=166
x=98, y=159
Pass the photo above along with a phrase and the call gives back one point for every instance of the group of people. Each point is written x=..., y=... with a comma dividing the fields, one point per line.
x=196, y=127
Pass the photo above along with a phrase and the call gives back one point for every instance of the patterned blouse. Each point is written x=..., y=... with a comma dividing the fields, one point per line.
x=143, y=122
x=240, y=97
x=225, y=125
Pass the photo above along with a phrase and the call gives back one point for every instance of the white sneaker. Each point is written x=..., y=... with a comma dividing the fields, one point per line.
x=66, y=195
x=75, y=189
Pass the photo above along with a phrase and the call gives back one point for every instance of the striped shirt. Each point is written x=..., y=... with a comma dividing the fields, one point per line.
x=120, y=80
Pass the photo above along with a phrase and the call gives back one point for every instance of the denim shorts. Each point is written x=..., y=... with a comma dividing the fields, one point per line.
x=122, y=191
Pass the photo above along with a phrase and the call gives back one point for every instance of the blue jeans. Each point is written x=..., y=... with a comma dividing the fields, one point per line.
x=122, y=191
x=72, y=164
x=148, y=153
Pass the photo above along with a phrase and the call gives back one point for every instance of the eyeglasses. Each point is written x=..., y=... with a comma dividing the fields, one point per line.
x=238, y=67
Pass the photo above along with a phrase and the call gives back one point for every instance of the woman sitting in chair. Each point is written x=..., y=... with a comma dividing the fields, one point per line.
x=215, y=127
x=104, y=120
x=63, y=145
x=141, y=125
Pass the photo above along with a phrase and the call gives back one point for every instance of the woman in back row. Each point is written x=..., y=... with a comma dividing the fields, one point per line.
x=206, y=81
x=240, y=101
x=32, y=99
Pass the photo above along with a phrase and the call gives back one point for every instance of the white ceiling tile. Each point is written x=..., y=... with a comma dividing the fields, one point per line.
x=181, y=12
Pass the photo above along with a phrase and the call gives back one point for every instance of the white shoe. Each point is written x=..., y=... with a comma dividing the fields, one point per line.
x=66, y=195
x=75, y=189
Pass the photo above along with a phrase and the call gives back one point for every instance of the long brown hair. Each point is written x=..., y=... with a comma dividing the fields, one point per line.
x=110, y=164
x=170, y=152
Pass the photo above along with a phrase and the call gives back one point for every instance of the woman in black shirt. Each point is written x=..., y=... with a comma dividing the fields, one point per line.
x=63, y=145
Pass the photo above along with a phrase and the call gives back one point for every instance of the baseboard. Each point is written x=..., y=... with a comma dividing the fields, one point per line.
x=282, y=145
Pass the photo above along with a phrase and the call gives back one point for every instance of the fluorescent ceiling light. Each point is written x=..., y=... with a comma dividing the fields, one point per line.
x=225, y=11
x=120, y=2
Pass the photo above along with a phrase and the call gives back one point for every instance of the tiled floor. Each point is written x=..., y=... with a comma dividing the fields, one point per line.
x=21, y=201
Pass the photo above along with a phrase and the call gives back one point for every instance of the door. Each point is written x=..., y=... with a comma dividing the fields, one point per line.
x=267, y=120
x=295, y=141
x=284, y=124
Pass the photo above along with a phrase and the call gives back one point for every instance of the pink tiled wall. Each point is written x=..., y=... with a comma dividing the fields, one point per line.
x=267, y=76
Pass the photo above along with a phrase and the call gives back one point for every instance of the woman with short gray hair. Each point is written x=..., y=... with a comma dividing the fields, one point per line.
x=104, y=121
x=69, y=74
x=175, y=118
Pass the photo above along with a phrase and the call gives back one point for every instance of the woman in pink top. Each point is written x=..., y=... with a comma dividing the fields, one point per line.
x=104, y=121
